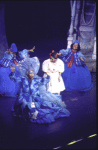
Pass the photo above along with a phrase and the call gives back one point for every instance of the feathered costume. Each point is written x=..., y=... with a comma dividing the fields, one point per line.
x=34, y=102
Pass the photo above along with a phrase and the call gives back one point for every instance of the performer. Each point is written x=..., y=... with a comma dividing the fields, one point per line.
x=7, y=86
x=76, y=76
x=44, y=93
x=9, y=57
x=54, y=67
x=29, y=104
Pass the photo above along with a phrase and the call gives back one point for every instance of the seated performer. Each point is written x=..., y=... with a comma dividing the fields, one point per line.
x=29, y=103
x=54, y=67
x=9, y=88
x=76, y=76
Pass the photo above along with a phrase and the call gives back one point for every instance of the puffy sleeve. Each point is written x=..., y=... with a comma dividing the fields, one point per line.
x=43, y=81
x=23, y=54
x=8, y=55
x=14, y=58
x=45, y=65
x=14, y=78
x=64, y=52
x=60, y=66
x=81, y=55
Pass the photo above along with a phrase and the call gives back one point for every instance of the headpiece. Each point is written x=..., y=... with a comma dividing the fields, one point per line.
x=76, y=41
x=13, y=48
x=27, y=65
x=53, y=54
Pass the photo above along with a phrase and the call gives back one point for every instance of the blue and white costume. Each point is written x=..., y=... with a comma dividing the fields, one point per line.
x=76, y=77
x=7, y=86
x=31, y=102
x=23, y=54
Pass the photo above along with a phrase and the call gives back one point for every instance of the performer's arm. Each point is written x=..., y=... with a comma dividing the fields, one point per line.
x=13, y=77
x=63, y=52
x=32, y=50
x=43, y=81
x=81, y=56
x=8, y=55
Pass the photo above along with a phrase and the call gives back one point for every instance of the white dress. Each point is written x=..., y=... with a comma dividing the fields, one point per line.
x=53, y=70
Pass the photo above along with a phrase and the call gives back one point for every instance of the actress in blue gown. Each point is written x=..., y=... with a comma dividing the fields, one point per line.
x=7, y=86
x=76, y=76
x=31, y=104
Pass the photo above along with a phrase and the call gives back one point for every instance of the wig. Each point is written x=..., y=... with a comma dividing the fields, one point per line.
x=53, y=54
x=78, y=45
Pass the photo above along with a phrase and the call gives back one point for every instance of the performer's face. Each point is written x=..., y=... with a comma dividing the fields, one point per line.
x=52, y=59
x=75, y=46
x=14, y=54
x=31, y=74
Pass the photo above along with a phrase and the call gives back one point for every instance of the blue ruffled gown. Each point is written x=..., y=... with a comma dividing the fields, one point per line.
x=77, y=77
x=47, y=111
x=7, y=86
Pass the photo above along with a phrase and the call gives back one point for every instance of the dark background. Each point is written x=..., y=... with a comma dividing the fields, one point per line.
x=44, y=24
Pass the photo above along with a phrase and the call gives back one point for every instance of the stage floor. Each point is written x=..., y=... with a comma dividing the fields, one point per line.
x=18, y=134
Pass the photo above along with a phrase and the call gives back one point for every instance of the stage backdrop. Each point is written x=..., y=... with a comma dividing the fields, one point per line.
x=3, y=39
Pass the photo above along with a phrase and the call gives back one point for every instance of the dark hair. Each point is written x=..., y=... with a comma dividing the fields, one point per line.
x=53, y=54
x=78, y=46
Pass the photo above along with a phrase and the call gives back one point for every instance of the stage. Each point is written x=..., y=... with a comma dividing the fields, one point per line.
x=16, y=133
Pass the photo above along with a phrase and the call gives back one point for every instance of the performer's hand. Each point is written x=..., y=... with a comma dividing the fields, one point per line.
x=33, y=47
x=45, y=75
x=32, y=50
x=50, y=71
x=59, y=53
x=59, y=78
x=13, y=69
x=81, y=58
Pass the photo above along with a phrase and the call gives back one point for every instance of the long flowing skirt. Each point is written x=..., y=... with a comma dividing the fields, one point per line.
x=77, y=78
x=44, y=111
x=8, y=87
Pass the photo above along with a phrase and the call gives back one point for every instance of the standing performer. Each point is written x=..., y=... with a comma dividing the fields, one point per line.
x=54, y=67
x=29, y=104
x=76, y=76
x=7, y=86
